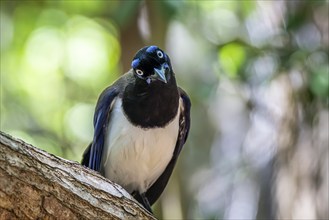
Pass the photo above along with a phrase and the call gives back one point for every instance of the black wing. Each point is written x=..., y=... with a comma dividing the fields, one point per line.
x=93, y=154
x=158, y=186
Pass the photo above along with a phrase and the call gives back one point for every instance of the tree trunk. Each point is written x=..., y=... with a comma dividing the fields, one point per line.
x=37, y=185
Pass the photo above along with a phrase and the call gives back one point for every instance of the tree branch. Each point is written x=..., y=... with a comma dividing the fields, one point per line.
x=37, y=185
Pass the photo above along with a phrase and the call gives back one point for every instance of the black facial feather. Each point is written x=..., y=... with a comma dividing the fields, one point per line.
x=146, y=59
x=151, y=104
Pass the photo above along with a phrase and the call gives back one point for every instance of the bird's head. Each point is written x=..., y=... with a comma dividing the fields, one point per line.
x=152, y=64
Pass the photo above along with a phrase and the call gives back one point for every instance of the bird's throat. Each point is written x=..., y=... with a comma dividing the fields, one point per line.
x=150, y=106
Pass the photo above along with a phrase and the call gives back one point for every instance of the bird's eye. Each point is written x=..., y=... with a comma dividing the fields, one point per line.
x=160, y=54
x=139, y=72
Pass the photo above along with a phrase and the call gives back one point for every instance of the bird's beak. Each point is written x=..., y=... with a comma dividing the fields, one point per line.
x=160, y=74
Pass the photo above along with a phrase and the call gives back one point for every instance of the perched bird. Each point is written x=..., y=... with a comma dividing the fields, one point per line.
x=141, y=123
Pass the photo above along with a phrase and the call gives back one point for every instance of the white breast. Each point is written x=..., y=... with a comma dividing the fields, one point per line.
x=134, y=157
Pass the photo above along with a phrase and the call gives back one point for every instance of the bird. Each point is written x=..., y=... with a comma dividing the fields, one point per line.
x=141, y=123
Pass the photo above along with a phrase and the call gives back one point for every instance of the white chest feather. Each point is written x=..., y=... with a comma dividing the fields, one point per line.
x=134, y=157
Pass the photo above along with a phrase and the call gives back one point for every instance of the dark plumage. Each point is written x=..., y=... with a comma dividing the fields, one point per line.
x=141, y=123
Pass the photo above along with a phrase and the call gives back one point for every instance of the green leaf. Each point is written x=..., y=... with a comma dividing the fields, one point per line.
x=319, y=84
x=231, y=57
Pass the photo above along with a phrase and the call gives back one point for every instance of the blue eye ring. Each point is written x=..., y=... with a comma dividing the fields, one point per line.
x=160, y=54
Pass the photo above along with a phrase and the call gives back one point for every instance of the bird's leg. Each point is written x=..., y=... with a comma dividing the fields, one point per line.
x=146, y=202
x=141, y=198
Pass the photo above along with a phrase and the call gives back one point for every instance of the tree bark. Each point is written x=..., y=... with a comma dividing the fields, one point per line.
x=37, y=185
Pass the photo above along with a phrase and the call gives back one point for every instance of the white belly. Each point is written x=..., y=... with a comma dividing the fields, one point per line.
x=134, y=157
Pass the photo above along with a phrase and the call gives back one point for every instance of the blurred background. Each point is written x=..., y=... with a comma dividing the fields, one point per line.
x=256, y=71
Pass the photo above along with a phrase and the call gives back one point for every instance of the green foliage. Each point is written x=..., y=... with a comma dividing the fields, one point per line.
x=231, y=58
x=52, y=72
x=319, y=84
